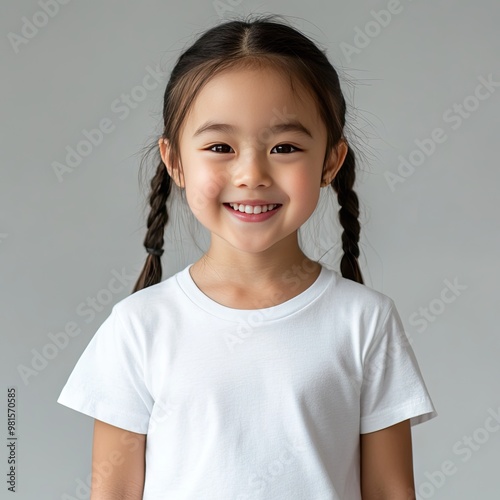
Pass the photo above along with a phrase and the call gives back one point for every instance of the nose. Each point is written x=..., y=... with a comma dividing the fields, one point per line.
x=251, y=172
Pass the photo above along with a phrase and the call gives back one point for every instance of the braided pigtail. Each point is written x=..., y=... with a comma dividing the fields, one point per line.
x=343, y=183
x=161, y=185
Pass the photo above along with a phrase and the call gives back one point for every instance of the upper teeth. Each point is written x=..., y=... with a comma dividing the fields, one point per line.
x=250, y=209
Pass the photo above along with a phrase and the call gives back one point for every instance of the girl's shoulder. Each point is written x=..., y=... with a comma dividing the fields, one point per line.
x=351, y=293
x=151, y=304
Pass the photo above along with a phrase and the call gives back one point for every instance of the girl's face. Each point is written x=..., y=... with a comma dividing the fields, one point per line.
x=248, y=139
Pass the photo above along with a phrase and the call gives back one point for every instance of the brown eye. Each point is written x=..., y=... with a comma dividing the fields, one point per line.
x=285, y=148
x=220, y=148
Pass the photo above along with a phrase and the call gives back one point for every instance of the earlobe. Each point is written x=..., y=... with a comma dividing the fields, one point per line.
x=173, y=172
x=334, y=163
x=164, y=153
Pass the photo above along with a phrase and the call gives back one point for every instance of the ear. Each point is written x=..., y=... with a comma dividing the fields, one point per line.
x=334, y=162
x=173, y=171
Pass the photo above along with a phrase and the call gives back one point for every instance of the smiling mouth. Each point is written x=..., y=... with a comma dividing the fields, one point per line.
x=253, y=209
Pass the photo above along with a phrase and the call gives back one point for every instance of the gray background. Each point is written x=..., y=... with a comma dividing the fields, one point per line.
x=62, y=239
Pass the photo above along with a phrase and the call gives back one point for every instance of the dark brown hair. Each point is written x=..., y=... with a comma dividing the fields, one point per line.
x=234, y=44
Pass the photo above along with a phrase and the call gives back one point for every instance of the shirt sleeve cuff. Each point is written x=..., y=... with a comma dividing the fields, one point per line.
x=418, y=411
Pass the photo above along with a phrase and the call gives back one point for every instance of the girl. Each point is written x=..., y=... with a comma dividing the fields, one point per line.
x=254, y=372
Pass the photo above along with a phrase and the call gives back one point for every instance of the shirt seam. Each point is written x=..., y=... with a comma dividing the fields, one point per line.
x=378, y=337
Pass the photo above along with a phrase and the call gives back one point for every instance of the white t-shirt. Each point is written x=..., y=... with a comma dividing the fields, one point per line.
x=251, y=404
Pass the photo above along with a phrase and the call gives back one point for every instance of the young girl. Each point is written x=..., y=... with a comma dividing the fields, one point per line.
x=254, y=372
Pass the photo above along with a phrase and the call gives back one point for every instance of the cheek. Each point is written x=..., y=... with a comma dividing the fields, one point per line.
x=203, y=186
x=305, y=187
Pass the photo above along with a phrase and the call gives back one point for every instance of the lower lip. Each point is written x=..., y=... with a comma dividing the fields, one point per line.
x=253, y=217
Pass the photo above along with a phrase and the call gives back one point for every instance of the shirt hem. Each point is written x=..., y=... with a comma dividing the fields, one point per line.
x=128, y=421
x=418, y=412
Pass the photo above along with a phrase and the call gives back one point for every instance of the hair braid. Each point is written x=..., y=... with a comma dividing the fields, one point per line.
x=343, y=183
x=161, y=185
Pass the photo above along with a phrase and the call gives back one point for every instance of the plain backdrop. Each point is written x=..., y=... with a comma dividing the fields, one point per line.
x=424, y=112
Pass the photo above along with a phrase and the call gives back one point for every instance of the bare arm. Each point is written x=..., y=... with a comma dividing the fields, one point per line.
x=118, y=463
x=387, y=464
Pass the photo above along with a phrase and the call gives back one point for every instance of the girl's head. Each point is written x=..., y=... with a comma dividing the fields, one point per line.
x=282, y=97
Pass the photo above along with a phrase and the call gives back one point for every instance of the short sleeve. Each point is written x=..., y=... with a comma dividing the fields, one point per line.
x=107, y=382
x=392, y=388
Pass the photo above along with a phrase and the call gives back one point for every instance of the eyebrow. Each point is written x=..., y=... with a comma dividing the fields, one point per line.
x=289, y=126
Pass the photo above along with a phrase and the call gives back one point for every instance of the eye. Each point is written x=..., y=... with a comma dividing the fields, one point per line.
x=220, y=148
x=285, y=148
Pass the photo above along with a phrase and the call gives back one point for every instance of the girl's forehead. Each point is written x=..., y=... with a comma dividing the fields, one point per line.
x=262, y=80
x=247, y=94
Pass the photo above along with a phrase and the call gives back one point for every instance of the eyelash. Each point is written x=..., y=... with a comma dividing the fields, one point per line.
x=279, y=145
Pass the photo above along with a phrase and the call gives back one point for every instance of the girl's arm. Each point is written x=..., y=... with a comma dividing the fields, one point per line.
x=118, y=463
x=387, y=464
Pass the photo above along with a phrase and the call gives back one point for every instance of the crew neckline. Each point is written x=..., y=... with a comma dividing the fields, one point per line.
x=279, y=311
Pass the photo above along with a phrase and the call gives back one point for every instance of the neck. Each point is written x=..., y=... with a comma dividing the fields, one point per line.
x=281, y=263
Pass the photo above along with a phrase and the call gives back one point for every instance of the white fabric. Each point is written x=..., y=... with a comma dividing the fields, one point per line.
x=251, y=404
